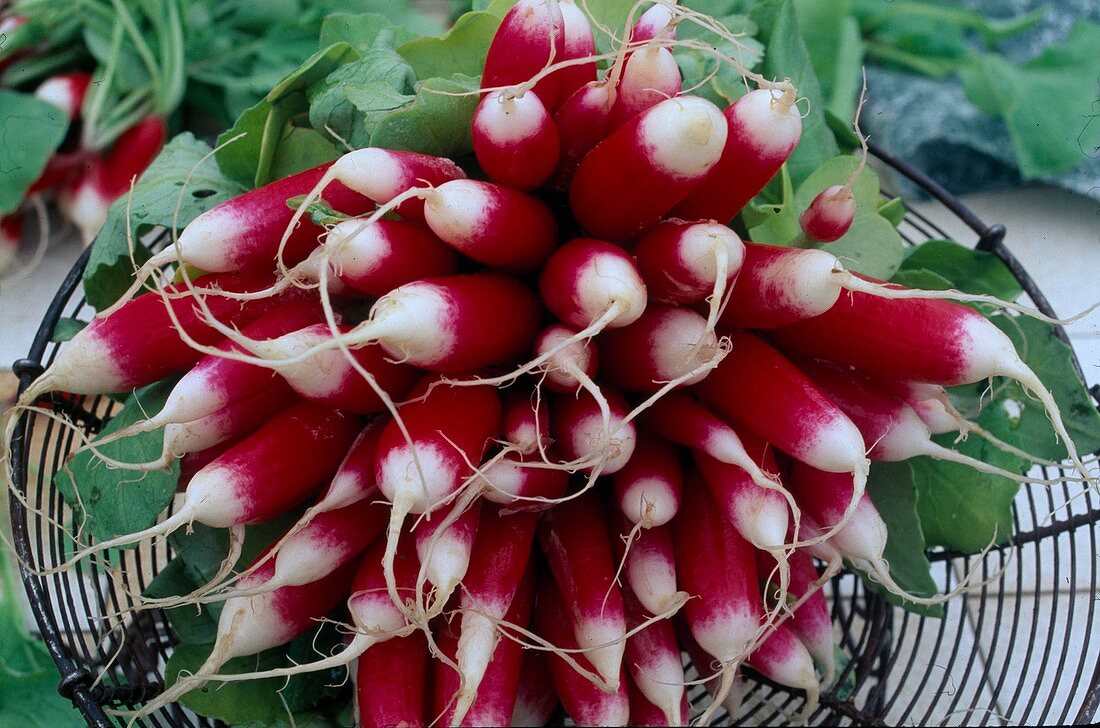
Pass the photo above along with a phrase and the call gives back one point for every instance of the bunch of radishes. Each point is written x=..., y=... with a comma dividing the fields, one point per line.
x=565, y=395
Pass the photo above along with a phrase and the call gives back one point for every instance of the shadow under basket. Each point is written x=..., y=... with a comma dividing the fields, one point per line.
x=1023, y=649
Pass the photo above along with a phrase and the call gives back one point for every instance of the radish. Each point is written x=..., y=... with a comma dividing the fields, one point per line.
x=592, y=285
x=760, y=515
x=654, y=22
x=11, y=233
x=443, y=546
x=526, y=423
x=140, y=342
x=586, y=703
x=579, y=43
x=648, y=487
x=638, y=174
x=592, y=438
x=782, y=658
x=763, y=128
x=381, y=175
x=649, y=76
x=494, y=699
x=536, y=701
x=715, y=564
x=811, y=620
x=423, y=457
x=829, y=215
x=522, y=482
x=391, y=680
x=66, y=91
x=800, y=420
x=654, y=664
x=250, y=625
x=491, y=224
x=530, y=38
x=262, y=477
x=649, y=564
x=572, y=361
x=645, y=713
x=667, y=346
x=583, y=121
x=934, y=341
x=500, y=557
x=778, y=286
x=375, y=259
x=331, y=378
x=574, y=538
x=86, y=201
x=515, y=140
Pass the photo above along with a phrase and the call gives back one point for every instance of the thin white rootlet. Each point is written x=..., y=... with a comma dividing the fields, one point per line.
x=684, y=136
x=588, y=437
x=769, y=123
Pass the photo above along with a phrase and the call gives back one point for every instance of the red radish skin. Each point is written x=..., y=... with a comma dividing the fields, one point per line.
x=811, y=621
x=382, y=174
x=139, y=343
x=591, y=284
x=639, y=173
x=649, y=77
x=60, y=170
x=390, y=682
x=530, y=38
x=667, y=345
x=66, y=91
x=515, y=140
x=572, y=363
x=443, y=546
x=763, y=128
x=582, y=121
x=587, y=438
x=355, y=480
x=522, y=483
x=653, y=662
x=782, y=658
x=329, y=378
x=585, y=703
x=536, y=702
x=829, y=215
x=778, y=286
x=924, y=340
x=579, y=43
x=495, y=580
x=650, y=565
x=573, y=536
x=492, y=224
x=683, y=262
x=760, y=515
x=648, y=487
x=378, y=257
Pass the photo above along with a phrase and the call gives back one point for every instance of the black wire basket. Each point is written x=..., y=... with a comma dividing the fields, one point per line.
x=1023, y=649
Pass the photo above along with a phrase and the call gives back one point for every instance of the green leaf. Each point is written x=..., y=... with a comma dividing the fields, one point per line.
x=315, y=68
x=156, y=197
x=893, y=210
x=192, y=625
x=1047, y=103
x=247, y=701
x=894, y=494
x=319, y=211
x=66, y=328
x=610, y=14
x=961, y=508
x=299, y=149
x=434, y=123
x=114, y=501
x=359, y=30
x=31, y=701
x=239, y=158
x=711, y=77
x=969, y=270
x=30, y=131
x=462, y=49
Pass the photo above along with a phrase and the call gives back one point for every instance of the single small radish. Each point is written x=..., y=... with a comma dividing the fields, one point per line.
x=782, y=658
x=585, y=703
x=716, y=565
x=830, y=215
x=11, y=233
x=66, y=91
x=110, y=177
x=666, y=346
x=760, y=515
x=515, y=140
x=654, y=22
x=649, y=76
x=683, y=263
x=592, y=285
x=530, y=38
x=536, y=701
x=262, y=477
x=443, y=546
x=140, y=343
x=572, y=363
x=591, y=437
x=329, y=377
x=378, y=257
x=502, y=550
x=583, y=121
x=763, y=128
x=492, y=224
x=650, y=563
x=639, y=173
x=522, y=482
x=931, y=402
x=811, y=620
x=648, y=487
x=918, y=339
x=382, y=174
x=391, y=680
x=573, y=536
x=653, y=662
x=579, y=43
x=526, y=422
x=778, y=286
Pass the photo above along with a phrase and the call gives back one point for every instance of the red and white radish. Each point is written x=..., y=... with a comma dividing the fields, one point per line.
x=522, y=482
x=593, y=439
x=829, y=215
x=811, y=620
x=572, y=361
x=648, y=487
x=515, y=140
x=391, y=680
x=653, y=662
x=66, y=91
x=783, y=658
x=649, y=564
x=649, y=76
x=536, y=700
x=443, y=546
x=583, y=121
x=592, y=285
x=530, y=38
x=579, y=43
x=760, y=515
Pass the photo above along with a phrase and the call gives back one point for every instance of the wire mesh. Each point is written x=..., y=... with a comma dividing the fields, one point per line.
x=1023, y=649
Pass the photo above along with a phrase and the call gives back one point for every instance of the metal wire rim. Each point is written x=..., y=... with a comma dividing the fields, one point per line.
x=872, y=630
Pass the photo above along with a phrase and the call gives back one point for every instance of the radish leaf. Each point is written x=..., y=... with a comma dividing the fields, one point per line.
x=462, y=49
x=434, y=123
x=30, y=131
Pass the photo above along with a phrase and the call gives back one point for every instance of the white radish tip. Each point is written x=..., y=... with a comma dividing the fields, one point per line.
x=684, y=136
x=699, y=244
x=607, y=280
x=769, y=120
